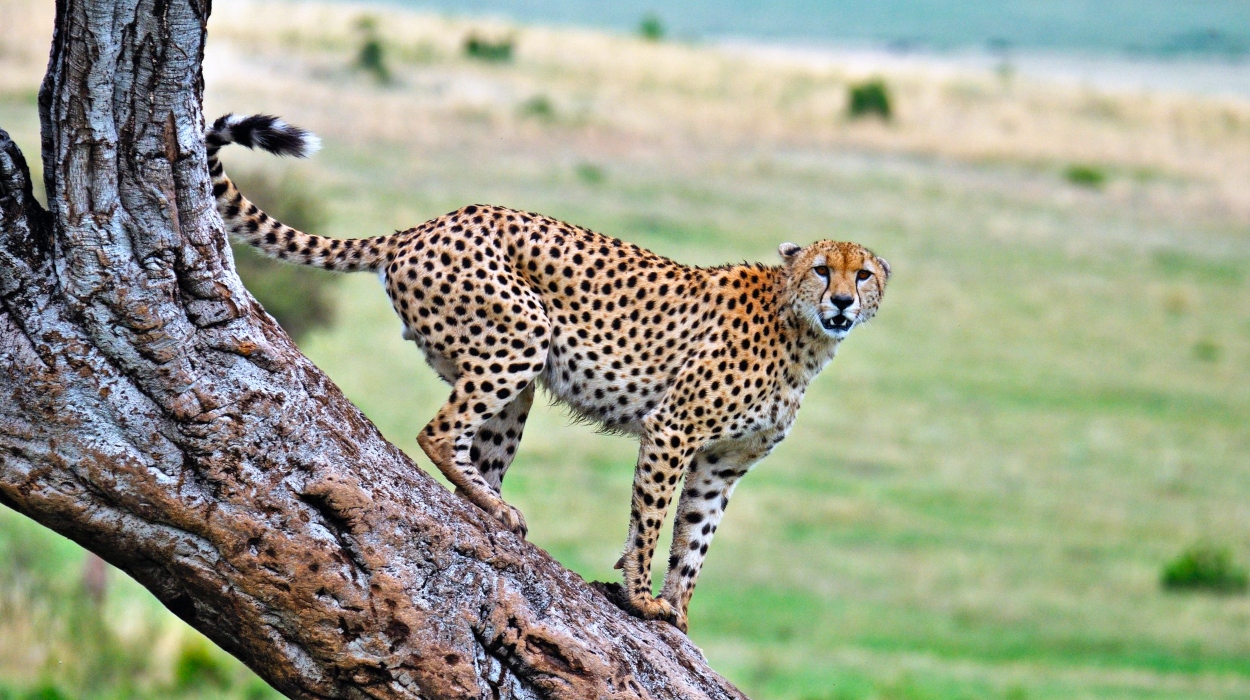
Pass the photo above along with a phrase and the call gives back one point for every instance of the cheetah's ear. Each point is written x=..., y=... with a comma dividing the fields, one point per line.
x=788, y=251
x=885, y=267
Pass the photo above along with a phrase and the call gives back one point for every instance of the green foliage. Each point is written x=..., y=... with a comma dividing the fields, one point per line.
x=870, y=98
x=197, y=665
x=371, y=57
x=538, y=107
x=1085, y=176
x=482, y=49
x=256, y=689
x=45, y=691
x=300, y=298
x=651, y=27
x=1205, y=567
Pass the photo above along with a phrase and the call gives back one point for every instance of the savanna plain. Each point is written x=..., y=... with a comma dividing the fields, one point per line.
x=983, y=490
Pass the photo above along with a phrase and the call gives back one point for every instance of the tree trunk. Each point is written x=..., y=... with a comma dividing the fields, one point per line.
x=152, y=412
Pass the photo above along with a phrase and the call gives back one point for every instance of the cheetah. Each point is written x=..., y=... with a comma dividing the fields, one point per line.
x=706, y=365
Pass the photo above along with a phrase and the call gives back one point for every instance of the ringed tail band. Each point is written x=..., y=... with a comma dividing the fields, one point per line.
x=272, y=237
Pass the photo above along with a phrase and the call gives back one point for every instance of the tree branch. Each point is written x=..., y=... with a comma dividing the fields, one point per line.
x=152, y=412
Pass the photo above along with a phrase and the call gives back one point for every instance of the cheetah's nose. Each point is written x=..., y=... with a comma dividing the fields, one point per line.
x=842, y=301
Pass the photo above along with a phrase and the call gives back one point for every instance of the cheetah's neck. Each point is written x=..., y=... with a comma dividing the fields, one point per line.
x=809, y=350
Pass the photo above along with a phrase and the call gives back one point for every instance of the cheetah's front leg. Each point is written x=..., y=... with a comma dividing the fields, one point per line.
x=662, y=458
x=708, y=486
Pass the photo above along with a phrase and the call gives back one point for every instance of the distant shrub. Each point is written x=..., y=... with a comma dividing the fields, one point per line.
x=260, y=690
x=538, y=107
x=1085, y=176
x=590, y=173
x=870, y=98
x=651, y=27
x=1205, y=567
x=497, y=51
x=371, y=57
x=197, y=666
x=300, y=298
x=46, y=691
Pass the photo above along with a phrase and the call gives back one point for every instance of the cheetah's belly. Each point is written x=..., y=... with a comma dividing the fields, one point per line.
x=615, y=389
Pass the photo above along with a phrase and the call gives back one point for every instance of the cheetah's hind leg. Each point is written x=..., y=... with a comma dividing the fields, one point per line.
x=496, y=442
x=475, y=399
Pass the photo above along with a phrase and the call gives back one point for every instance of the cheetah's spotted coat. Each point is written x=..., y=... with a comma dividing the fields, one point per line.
x=706, y=365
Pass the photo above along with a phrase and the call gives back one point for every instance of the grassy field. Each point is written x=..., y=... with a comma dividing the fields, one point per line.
x=981, y=492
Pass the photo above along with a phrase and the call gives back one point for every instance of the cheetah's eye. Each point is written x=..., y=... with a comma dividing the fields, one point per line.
x=863, y=275
x=821, y=270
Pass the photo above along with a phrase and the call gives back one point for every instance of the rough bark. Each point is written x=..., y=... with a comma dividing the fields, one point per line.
x=151, y=411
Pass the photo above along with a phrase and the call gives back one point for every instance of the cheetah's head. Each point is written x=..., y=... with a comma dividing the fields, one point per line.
x=834, y=286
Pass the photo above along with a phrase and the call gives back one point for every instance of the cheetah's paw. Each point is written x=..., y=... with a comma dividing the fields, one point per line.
x=512, y=519
x=649, y=608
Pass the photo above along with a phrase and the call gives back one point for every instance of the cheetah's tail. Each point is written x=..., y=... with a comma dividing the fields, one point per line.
x=247, y=221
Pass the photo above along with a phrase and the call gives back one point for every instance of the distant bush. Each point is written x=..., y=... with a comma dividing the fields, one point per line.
x=197, y=666
x=1085, y=176
x=498, y=51
x=538, y=107
x=46, y=691
x=300, y=298
x=371, y=57
x=651, y=27
x=1205, y=567
x=870, y=98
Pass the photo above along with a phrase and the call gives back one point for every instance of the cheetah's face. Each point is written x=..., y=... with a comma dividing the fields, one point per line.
x=834, y=286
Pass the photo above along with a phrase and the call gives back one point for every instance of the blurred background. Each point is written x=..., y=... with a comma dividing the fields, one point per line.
x=1028, y=478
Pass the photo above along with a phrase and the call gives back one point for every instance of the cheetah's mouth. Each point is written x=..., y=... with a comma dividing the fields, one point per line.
x=837, y=323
